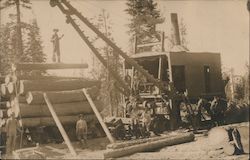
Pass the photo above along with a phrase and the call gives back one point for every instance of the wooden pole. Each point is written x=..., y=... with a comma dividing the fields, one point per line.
x=232, y=83
x=160, y=68
x=59, y=125
x=105, y=128
x=163, y=42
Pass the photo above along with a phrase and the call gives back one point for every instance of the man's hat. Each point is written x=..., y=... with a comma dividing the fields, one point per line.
x=55, y=30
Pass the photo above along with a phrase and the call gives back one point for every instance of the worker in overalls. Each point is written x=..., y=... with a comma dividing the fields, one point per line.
x=81, y=131
x=12, y=126
x=55, y=39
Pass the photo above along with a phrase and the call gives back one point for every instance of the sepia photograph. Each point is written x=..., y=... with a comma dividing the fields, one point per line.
x=124, y=79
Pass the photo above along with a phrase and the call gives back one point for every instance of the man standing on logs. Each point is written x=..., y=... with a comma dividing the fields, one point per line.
x=81, y=130
x=11, y=129
x=56, y=46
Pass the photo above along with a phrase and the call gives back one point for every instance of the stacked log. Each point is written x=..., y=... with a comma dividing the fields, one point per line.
x=61, y=109
x=68, y=104
x=26, y=95
x=36, y=97
x=55, y=85
x=48, y=121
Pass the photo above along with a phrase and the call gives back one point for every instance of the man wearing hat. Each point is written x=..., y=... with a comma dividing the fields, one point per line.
x=56, y=46
x=11, y=129
x=81, y=130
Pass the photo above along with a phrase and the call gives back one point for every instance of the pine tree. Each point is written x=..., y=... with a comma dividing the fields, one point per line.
x=20, y=41
x=34, y=49
x=109, y=94
x=144, y=17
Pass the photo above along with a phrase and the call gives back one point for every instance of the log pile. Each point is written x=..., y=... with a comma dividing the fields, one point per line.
x=24, y=95
x=67, y=101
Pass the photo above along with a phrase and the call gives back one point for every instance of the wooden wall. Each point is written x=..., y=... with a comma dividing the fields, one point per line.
x=194, y=71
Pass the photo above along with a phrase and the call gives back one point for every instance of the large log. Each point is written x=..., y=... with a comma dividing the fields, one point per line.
x=45, y=77
x=48, y=121
x=217, y=137
x=46, y=66
x=150, y=146
x=36, y=97
x=229, y=148
x=63, y=109
x=55, y=85
x=118, y=145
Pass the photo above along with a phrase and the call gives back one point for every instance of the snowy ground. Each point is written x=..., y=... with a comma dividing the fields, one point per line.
x=198, y=149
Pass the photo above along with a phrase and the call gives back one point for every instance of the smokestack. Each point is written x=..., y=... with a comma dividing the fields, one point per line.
x=177, y=39
x=174, y=20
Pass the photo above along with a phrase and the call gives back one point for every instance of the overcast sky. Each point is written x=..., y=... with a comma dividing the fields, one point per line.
x=212, y=26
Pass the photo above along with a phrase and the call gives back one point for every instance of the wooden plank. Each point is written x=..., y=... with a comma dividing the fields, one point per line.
x=60, y=127
x=150, y=146
x=47, y=66
x=98, y=115
x=62, y=109
x=48, y=121
x=55, y=85
x=36, y=97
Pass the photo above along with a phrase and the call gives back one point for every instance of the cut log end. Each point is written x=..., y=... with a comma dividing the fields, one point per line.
x=3, y=89
x=29, y=97
x=21, y=87
x=10, y=88
x=229, y=149
x=218, y=137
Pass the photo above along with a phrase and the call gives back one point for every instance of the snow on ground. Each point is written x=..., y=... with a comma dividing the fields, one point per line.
x=198, y=149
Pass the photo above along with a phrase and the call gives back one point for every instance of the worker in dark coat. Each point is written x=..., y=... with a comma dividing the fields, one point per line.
x=81, y=130
x=12, y=126
x=56, y=46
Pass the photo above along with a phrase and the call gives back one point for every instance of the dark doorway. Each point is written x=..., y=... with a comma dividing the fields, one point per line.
x=178, y=73
x=207, y=79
